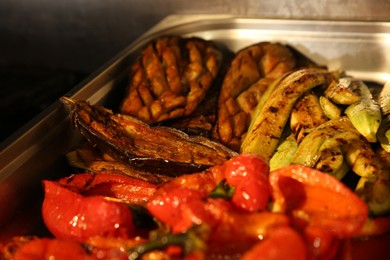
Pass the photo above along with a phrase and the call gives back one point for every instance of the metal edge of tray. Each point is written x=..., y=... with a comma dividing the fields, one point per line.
x=38, y=148
x=183, y=24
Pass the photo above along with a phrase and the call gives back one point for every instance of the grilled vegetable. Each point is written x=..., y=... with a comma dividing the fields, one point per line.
x=248, y=174
x=331, y=110
x=152, y=149
x=171, y=78
x=78, y=217
x=287, y=242
x=250, y=73
x=364, y=114
x=185, y=204
x=362, y=110
x=376, y=193
x=263, y=99
x=189, y=242
x=344, y=91
x=117, y=187
x=360, y=155
x=284, y=153
x=308, y=152
x=268, y=126
x=86, y=158
x=331, y=159
x=306, y=115
x=356, y=150
x=46, y=248
x=384, y=128
x=318, y=200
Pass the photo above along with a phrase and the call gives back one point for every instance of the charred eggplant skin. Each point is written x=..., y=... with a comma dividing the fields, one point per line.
x=159, y=150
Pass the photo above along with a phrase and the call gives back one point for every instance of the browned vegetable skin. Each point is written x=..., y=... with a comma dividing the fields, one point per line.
x=251, y=71
x=85, y=157
x=171, y=78
x=152, y=149
x=264, y=134
x=306, y=115
x=202, y=120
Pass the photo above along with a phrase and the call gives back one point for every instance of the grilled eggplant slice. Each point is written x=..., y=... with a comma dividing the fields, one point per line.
x=86, y=158
x=157, y=149
x=251, y=71
x=171, y=78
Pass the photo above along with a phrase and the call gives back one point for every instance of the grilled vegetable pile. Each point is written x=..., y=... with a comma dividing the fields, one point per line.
x=257, y=154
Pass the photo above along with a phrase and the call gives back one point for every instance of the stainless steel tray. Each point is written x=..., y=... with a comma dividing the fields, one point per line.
x=37, y=150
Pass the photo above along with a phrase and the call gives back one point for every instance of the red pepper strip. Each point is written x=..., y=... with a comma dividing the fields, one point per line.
x=69, y=215
x=47, y=248
x=182, y=202
x=282, y=243
x=316, y=199
x=181, y=208
x=237, y=231
x=123, y=187
x=321, y=243
x=203, y=182
x=93, y=248
x=249, y=175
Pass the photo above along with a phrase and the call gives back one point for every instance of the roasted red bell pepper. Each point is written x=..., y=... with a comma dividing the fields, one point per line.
x=181, y=203
x=180, y=208
x=248, y=174
x=283, y=242
x=46, y=248
x=120, y=186
x=93, y=248
x=315, y=199
x=236, y=231
x=69, y=215
x=321, y=243
x=320, y=206
x=203, y=182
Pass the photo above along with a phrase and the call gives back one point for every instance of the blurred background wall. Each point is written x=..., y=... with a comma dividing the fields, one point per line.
x=82, y=34
x=48, y=46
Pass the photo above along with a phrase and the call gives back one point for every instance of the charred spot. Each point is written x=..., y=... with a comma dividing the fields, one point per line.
x=325, y=168
x=342, y=141
x=304, y=134
x=273, y=109
x=288, y=91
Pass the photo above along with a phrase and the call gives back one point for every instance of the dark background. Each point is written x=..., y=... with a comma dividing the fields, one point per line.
x=47, y=47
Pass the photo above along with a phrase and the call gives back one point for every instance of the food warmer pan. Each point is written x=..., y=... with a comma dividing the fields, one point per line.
x=38, y=149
